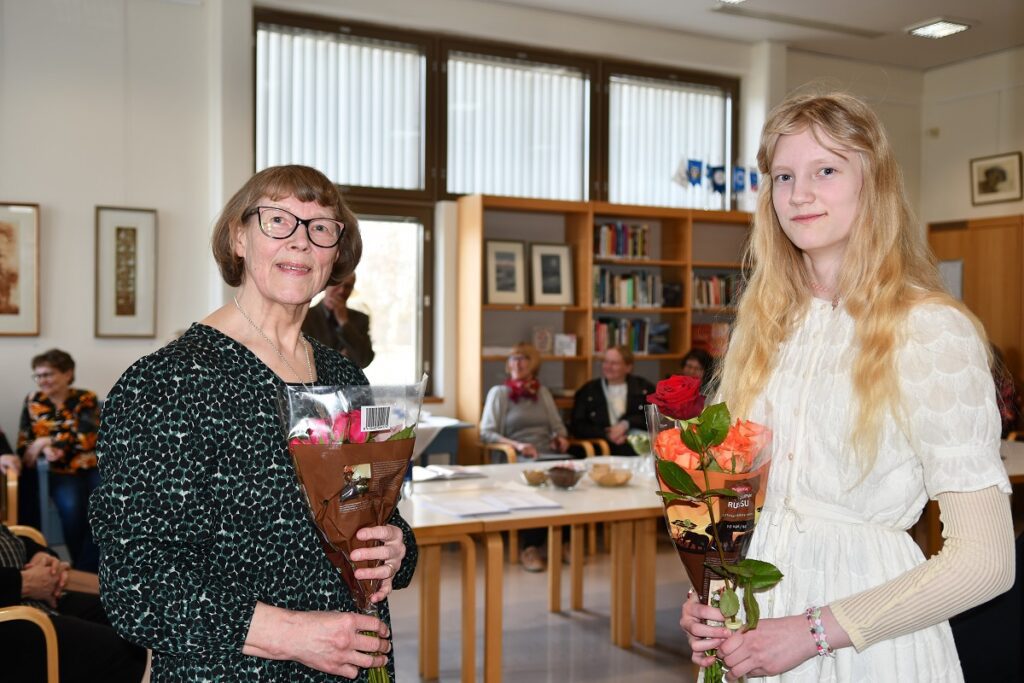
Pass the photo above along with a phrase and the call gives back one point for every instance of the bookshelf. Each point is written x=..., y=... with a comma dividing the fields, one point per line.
x=661, y=253
x=718, y=240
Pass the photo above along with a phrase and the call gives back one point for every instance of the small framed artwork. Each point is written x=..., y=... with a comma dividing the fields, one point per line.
x=506, y=272
x=996, y=179
x=551, y=265
x=544, y=339
x=565, y=344
x=19, y=269
x=125, y=272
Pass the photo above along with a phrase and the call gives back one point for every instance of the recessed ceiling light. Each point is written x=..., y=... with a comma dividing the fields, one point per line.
x=731, y=2
x=937, y=28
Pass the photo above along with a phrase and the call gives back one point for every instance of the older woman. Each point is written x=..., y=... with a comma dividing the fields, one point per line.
x=59, y=424
x=610, y=406
x=209, y=554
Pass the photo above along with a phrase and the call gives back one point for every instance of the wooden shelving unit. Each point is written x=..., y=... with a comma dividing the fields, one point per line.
x=674, y=254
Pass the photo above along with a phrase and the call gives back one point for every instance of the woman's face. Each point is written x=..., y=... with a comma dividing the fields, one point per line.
x=519, y=366
x=693, y=368
x=291, y=270
x=50, y=380
x=816, y=193
x=614, y=368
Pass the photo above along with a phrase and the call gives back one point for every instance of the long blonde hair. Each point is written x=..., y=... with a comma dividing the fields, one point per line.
x=887, y=268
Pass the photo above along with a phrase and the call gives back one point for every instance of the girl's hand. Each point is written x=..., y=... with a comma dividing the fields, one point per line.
x=701, y=636
x=775, y=646
x=391, y=551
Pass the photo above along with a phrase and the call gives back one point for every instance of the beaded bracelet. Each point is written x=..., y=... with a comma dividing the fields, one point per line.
x=813, y=615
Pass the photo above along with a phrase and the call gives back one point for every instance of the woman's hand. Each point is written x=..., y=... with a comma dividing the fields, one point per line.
x=775, y=646
x=40, y=583
x=559, y=444
x=34, y=449
x=702, y=636
x=53, y=454
x=10, y=463
x=390, y=552
x=56, y=567
x=526, y=450
x=617, y=432
x=332, y=642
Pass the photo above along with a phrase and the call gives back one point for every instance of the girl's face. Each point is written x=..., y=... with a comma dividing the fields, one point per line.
x=816, y=193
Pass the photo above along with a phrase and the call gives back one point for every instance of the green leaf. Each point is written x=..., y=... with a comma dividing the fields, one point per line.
x=692, y=440
x=714, y=424
x=407, y=433
x=737, y=570
x=750, y=606
x=730, y=604
x=669, y=497
x=676, y=478
x=729, y=493
x=763, y=576
x=720, y=571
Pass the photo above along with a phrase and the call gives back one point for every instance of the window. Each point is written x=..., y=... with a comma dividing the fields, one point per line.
x=655, y=127
x=516, y=127
x=392, y=284
x=352, y=106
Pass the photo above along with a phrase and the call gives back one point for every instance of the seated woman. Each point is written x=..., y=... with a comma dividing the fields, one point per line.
x=60, y=423
x=89, y=650
x=700, y=364
x=522, y=413
x=612, y=405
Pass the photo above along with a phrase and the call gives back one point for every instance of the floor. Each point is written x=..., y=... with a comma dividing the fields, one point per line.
x=544, y=646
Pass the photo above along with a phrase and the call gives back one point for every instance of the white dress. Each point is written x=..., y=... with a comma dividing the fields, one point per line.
x=833, y=535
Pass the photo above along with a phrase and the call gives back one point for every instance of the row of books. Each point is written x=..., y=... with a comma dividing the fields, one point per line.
x=638, y=288
x=712, y=337
x=640, y=335
x=622, y=240
x=716, y=290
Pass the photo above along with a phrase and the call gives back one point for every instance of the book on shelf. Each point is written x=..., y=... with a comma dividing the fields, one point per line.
x=712, y=337
x=658, y=337
x=622, y=240
x=629, y=332
x=565, y=344
x=672, y=294
x=633, y=289
x=716, y=291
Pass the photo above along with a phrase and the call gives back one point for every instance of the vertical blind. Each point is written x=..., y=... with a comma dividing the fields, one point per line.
x=517, y=128
x=655, y=128
x=355, y=108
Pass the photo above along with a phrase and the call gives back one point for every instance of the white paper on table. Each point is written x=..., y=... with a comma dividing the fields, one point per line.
x=444, y=473
x=519, y=500
x=462, y=507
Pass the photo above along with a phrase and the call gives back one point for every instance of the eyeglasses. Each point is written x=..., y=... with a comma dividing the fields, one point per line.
x=38, y=376
x=280, y=225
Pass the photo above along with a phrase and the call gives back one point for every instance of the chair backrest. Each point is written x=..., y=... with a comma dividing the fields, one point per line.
x=40, y=619
x=9, y=498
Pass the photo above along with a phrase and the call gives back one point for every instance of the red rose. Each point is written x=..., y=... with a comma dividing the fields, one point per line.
x=678, y=397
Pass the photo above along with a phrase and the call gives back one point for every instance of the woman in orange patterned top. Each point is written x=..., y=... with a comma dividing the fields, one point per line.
x=59, y=423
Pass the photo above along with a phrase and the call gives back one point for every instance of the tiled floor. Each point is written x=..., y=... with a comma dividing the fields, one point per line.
x=541, y=646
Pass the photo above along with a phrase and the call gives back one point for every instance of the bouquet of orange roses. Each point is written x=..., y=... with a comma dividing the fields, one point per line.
x=713, y=474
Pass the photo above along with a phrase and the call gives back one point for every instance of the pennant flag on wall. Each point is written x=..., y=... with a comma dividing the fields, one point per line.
x=739, y=179
x=752, y=174
x=717, y=176
x=694, y=171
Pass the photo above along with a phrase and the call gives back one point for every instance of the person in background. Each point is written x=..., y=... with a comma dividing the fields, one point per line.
x=522, y=413
x=60, y=423
x=88, y=648
x=332, y=323
x=700, y=364
x=1007, y=397
x=210, y=554
x=877, y=388
x=612, y=405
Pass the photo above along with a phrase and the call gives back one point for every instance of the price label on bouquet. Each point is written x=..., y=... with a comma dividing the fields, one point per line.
x=375, y=418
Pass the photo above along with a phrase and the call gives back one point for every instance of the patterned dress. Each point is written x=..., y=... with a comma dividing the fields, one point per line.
x=199, y=514
x=833, y=533
x=72, y=426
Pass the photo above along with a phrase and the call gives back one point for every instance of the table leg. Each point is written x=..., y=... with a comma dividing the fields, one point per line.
x=493, y=595
x=576, y=566
x=621, y=589
x=468, y=609
x=646, y=557
x=555, y=569
x=430, y=609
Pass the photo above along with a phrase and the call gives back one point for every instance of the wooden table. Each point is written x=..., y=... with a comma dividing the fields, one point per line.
x=1013, y=460
x=632, y=512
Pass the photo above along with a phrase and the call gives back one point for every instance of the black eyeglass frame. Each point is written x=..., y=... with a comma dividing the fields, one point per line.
x=257, y=211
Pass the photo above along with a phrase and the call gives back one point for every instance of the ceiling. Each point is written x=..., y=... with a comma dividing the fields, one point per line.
x=867, y=30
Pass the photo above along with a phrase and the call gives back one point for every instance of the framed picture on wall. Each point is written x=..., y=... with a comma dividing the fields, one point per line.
x=996, y=179
x=19, y=269
x=551, y=265
x=506, y=272
x=125, y=272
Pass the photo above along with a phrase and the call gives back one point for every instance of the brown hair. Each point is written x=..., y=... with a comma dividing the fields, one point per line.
x=61, y=361
x=277, y=182
x=531, y=352
x=627, y=354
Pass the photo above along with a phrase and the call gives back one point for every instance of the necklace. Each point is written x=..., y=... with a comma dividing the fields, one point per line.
x=305, y=346
x=828, y=292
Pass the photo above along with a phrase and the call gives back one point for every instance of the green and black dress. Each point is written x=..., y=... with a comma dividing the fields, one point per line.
x=199, y=514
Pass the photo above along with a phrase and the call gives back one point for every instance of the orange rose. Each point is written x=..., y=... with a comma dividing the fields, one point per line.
x=669, y=446
x=741, y=445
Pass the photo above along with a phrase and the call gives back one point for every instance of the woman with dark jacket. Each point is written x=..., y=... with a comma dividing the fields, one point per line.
x=610, y=406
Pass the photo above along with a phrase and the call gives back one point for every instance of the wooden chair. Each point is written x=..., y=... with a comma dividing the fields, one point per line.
x=1015, y=436
x=9, y=497
x=31, y=614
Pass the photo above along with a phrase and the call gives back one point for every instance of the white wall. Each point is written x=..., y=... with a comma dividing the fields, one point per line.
x=971, y=109
x=103, y=102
